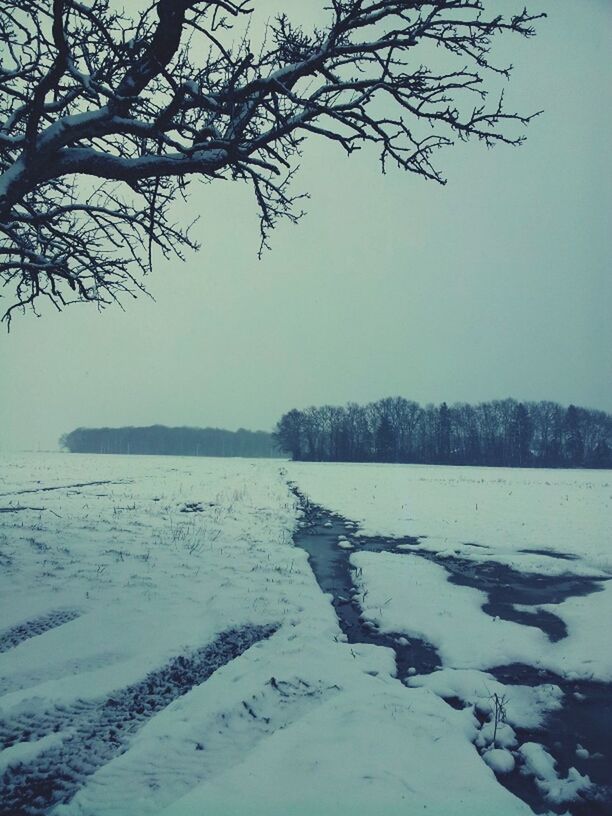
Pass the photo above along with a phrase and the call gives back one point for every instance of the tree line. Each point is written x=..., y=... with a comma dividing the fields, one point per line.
x=502, y=432
x=158, y=439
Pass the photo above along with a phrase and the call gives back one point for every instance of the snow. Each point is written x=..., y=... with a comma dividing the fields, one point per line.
x=393, y=770
x=541, y=765
x=482, y=515
x=502, y=510
x=408, y=594
x=585, y=653
x=27, y=751
x=581, y=752
x=108, y=582
x=526, y=706
x=499, y=760
x=500, y=736
x=412, y=595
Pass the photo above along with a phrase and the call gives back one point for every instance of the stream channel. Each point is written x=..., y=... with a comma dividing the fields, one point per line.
x=586, y=715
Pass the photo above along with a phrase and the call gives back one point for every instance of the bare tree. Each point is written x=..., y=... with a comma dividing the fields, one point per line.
x=105, y=117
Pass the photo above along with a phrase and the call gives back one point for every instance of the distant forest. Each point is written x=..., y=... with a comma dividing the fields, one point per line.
x=158, y=439
x=504, y=433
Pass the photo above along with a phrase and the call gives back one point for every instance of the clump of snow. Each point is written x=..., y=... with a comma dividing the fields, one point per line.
x=541, y=765
x=581, y=752
x=500, y=735
x=24, y=752
x=499, y=760
x=525, y=706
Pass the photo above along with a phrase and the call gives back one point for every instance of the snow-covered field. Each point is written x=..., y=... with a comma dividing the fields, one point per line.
x=504, y=511
x=547, y=522
x=165, y=647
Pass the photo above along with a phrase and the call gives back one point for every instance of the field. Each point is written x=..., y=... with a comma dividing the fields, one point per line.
x=227, y=636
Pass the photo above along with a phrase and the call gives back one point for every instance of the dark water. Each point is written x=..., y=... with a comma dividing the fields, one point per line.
x=585, y=719
x=331, y=567
x=506, y=586
x=586, y=716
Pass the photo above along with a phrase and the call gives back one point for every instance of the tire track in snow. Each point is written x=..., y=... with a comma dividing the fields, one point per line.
x=146, y=781
x=24, y=631
x=63, y=487
x=99, y=730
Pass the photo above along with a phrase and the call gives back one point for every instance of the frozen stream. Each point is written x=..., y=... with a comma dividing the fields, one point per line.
x=586, y=714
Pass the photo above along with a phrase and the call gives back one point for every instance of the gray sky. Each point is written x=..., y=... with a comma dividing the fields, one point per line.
x=496, y=285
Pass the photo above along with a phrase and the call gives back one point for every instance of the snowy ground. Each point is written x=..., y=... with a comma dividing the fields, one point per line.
x=549, y=523
x=553, y=527
x=501, y=510
x=165, y=648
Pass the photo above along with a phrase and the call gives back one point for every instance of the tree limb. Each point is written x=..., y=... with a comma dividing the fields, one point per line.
x=104, y=117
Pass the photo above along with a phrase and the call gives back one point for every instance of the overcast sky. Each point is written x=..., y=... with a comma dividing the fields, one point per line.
x=495, y=285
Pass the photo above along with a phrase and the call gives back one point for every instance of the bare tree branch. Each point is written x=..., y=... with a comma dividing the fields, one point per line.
x=105, y=117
